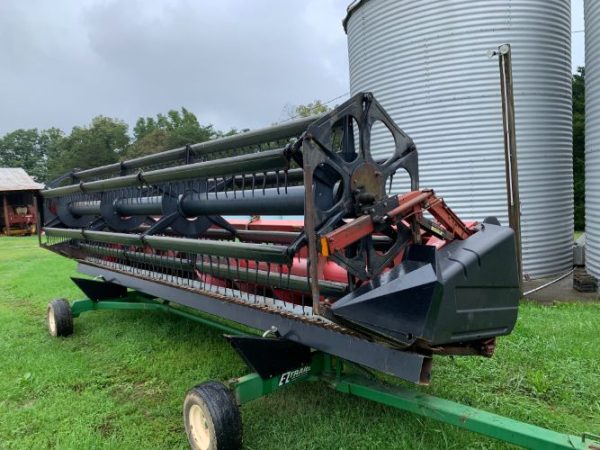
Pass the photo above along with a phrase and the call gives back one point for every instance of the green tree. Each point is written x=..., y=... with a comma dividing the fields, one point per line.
x=20, y=148
x=143, y=127
x=29, y=149
x=149, y=143
x=174, y=129
x=578, y=83
x=100, y=143
x=310, y=109
x=54, y=143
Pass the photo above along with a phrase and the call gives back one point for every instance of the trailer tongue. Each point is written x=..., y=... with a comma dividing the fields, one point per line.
x=352, y=270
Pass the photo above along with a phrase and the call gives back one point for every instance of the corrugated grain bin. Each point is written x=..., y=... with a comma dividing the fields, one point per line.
x=592, y=136
x=426, y=61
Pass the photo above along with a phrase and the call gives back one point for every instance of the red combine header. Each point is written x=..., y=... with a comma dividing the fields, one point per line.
x=296, y=231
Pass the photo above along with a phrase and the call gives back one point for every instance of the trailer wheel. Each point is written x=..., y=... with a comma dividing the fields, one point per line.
x=212, y=418
x=60, y=319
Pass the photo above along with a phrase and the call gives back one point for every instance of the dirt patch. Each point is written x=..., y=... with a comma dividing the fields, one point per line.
x=560, y=291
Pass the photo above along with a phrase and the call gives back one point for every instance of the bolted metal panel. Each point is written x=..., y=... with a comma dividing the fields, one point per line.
x=592, y=137
x=426, y=61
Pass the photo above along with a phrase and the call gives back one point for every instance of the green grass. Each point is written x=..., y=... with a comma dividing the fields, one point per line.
x=119, y=381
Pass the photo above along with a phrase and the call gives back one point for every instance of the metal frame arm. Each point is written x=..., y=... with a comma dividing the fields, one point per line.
x=410, y=204
x=330, y=370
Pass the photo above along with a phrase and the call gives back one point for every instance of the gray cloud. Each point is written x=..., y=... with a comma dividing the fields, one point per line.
x=234, y=63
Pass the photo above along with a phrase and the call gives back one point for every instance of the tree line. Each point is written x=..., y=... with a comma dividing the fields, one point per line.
x=47, y=154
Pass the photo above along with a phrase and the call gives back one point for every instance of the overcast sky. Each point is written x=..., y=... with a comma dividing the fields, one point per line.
x=234, y=63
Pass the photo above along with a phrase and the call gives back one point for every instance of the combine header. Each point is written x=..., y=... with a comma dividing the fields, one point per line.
x=351, y=272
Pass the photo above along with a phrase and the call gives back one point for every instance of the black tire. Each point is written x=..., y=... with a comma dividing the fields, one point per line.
x=212, y=418
x=59, y=318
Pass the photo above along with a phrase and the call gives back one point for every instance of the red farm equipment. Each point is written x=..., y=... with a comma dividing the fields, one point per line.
x=294, y=231
x=20, y=220
x=18, y=214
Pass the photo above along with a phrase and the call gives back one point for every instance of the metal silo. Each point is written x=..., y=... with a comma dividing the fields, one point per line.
x=592, y=137
x=426, y=62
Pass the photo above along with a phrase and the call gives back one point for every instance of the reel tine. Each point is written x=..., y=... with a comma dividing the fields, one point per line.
x=277, y=180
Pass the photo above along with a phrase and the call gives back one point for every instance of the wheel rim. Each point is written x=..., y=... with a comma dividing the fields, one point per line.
x=51, y=322
x=199, y=427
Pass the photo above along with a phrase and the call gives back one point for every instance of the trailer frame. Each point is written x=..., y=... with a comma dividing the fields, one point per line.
x=333, y=371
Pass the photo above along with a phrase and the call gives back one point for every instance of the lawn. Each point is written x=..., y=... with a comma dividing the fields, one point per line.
x=120, y=380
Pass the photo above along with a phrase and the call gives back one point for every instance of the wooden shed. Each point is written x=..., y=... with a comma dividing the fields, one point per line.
x=17, y=212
